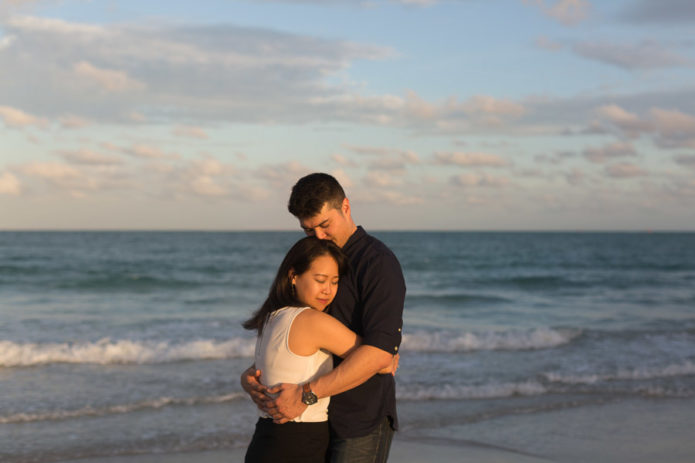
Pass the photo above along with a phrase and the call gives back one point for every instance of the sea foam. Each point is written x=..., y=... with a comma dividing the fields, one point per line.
x=106, y=351
x=472, y=392
x=644, y=373
x=456, y=341
x=152, y=404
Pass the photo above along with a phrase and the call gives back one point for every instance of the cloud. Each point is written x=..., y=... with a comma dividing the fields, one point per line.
x=144, y=151
x=343, y=178
x=178, y=73
x=469, y=159
x=672, y=128
x=673, y=122
x=470, y=180
x=71, y=121
x=609, y=151
x=557, y=157
x=625, y=170
x=646, y=55
x=343, y=161
x=548, y=44
x=627, y=121
x=6, y=41
x=17, y=118
x=282, y=176
x=9, y=184
x=381, y=180
x=661, y=12
x=575, y=177
x=568, y=12
x=421, y=3
x=109, y=79
x=687, y=160
x=190, y=132
x=58, y=177
x=89, y=157
x=389, y=159
x=397, y=198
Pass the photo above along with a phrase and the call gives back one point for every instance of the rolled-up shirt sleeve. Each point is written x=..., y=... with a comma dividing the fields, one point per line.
x=383, y=296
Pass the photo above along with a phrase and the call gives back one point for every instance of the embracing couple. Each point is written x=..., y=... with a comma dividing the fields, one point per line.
x=338, y=291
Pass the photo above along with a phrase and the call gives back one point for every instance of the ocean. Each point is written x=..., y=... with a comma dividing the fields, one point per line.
x=122, y=343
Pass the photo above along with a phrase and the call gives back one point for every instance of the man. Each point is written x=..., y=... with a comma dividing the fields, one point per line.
x=362, y=411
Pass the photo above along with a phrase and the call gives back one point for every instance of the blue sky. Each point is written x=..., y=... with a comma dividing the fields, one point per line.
x=465, y=115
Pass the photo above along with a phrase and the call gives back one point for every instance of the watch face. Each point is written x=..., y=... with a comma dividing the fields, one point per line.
x=309, y=398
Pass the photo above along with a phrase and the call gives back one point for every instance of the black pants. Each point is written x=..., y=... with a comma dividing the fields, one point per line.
x=288, y=443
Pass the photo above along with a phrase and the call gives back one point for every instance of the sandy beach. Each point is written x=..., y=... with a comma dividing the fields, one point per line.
x=635, y=431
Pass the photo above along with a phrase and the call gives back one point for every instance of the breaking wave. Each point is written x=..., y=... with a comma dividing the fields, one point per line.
x=106, y=352
x=644, y=373
x=117, y=409
x=454, y=341
x=462, y=392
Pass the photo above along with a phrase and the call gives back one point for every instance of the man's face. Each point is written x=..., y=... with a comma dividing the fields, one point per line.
x=330, y=224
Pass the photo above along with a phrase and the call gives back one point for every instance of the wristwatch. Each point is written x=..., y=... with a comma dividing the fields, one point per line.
x=308, y=397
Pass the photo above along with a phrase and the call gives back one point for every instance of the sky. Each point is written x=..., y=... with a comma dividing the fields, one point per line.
x=433, y=114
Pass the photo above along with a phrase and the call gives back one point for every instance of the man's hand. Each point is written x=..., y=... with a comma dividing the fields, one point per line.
x=287, y=404
x=251, y=383
x=391, y=369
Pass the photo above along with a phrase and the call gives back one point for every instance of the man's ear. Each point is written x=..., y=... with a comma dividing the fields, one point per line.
x=345, y=207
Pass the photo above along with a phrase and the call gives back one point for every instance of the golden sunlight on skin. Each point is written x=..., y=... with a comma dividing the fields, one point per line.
x=318, y=285
x=331, y=224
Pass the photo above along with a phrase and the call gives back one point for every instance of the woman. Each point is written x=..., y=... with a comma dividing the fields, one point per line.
x=293, y=337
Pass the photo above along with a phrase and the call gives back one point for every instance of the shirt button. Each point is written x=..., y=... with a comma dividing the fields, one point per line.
x=399, y=330
x=396, y=348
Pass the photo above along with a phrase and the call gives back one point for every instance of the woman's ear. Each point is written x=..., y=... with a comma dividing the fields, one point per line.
x=292, y=276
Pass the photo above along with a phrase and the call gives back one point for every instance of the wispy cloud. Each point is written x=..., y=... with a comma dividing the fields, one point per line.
x=470, y=180
x=645, y=55
x=663, y=11
x=219, y=72
x=609, y=152
x=9, y=184
x=672, y=128
x=190, y=132
x=568, y=12
x=16, y=118
x=625, y=170
x=687, y=160
x=111, y=80
x=90, y=157
x=469, y=159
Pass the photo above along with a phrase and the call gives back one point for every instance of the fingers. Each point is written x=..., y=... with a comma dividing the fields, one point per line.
x=274, y=389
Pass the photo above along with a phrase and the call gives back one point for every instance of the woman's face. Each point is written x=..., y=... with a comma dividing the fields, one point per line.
x=317, y=286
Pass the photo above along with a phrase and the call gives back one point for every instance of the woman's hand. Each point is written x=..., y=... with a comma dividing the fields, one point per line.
x=251, y=383
x=391, y=369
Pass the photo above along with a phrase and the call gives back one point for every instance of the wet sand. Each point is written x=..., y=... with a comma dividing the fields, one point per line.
x=634, y=430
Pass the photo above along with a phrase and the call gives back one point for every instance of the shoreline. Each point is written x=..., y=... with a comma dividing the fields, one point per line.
x=631, y=430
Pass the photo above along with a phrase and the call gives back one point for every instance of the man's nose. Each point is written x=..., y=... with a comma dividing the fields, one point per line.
x=320, y=234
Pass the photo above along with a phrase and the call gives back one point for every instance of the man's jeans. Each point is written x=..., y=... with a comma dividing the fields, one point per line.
x=372, y=448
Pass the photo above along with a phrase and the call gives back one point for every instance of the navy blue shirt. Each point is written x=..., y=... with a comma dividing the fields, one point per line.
x=369, y=302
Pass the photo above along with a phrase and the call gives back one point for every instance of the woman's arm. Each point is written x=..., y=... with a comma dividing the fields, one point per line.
x=313, y=330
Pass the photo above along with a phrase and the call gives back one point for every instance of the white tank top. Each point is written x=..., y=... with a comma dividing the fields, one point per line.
x=278, y=364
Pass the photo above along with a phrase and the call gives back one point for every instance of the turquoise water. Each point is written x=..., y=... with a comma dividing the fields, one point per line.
x=125, y=342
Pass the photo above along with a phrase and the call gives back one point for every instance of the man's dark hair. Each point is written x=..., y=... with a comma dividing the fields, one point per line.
x=310, y=193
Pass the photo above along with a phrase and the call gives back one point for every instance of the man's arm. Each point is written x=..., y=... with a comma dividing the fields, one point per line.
x=363, y=363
